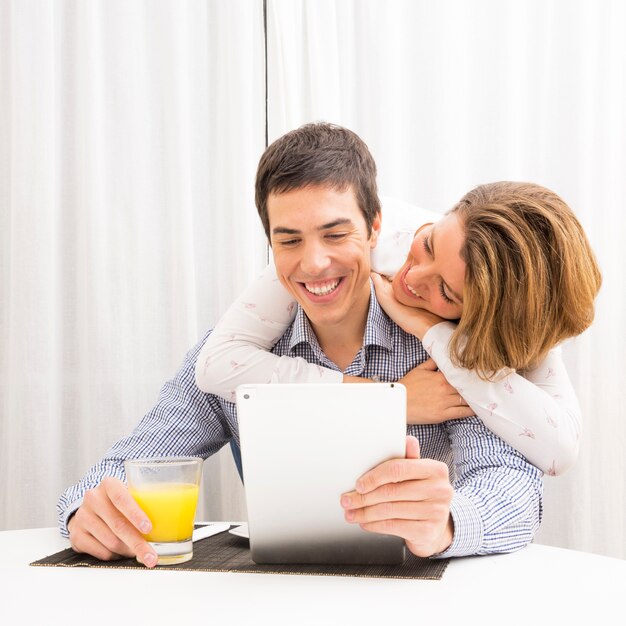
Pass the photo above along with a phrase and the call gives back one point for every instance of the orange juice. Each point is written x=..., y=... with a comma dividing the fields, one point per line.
x=171, y=507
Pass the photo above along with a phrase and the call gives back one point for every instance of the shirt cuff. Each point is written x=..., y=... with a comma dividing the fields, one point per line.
x=65, y=518
x=468, y=528
x=438, y=336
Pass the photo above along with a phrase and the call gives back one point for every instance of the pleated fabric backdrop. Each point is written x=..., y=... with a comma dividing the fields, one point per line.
x=129, y=136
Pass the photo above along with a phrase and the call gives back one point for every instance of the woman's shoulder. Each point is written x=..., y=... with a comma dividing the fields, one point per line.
x=400, y=221
x=402, y=216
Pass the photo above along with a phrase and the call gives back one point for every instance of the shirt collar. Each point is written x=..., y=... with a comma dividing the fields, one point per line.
x=378, y=327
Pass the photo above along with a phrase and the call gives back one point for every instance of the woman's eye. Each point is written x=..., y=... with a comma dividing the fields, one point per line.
x=426, y=246
x=443, y=294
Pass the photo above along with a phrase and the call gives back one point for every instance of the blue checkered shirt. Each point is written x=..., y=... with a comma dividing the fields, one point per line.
x=497, y=501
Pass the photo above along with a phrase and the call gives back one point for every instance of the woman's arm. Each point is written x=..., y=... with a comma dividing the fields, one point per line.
x=537, y=413
x=237, y=351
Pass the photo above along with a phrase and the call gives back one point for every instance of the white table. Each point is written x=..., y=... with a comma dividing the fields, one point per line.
x=538, y=585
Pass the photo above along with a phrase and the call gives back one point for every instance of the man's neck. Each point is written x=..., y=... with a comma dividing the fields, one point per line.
x=341, y=342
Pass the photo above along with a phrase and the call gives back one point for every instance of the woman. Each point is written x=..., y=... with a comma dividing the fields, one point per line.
x=510, y=264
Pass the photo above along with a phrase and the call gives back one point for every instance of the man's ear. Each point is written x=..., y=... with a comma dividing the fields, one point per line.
x=376, y=224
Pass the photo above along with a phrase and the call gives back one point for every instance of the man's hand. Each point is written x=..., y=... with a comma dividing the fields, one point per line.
x=409, y=498
x=109, y=525
x=430, y=398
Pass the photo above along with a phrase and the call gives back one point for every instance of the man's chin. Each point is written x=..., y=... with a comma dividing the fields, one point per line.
x=323, y=319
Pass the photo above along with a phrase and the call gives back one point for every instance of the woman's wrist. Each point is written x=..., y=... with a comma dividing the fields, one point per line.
x=441, y=330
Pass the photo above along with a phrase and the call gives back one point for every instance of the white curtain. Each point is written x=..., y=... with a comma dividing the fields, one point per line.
x=129, y=135
x=451, y=94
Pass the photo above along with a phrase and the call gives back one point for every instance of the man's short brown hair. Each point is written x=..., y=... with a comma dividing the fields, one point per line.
x=318, y=154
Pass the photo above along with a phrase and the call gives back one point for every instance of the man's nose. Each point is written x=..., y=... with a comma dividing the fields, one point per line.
x=315, y=259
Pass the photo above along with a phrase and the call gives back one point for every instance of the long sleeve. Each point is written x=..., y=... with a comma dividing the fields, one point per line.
x=184, y=422
x=538, y=413
x=497, y=504
x=237, y=351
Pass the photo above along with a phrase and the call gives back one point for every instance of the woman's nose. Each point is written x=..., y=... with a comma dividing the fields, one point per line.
x=419, y=278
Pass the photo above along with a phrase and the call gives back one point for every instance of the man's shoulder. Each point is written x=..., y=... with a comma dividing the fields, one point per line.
x=382, y=327
x=380, y=331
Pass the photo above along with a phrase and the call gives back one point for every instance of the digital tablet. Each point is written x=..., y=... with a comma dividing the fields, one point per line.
x=302, y=446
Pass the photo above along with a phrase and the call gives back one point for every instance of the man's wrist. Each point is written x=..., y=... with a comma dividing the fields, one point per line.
x=448, y=536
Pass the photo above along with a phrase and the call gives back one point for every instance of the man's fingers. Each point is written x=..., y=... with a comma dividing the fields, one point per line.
x=410, y=530
x=88, y=544
x=122, y=500
x=128, y=534
x=108, y=503
x=399, y=470
x=101, y=533
x=416, y=511
x=412, y=447
x=89, y=541
x=409, y=491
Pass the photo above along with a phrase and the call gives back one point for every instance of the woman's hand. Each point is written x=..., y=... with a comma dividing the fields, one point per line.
x=430, y=398
x=412, y=320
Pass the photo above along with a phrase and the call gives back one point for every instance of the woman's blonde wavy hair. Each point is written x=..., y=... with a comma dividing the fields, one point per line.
x=531, y=277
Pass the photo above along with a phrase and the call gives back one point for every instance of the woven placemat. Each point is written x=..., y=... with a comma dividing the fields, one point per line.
x=228, y=553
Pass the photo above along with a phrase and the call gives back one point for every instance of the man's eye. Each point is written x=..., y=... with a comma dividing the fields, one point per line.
x=288, y=243
x=336, y=236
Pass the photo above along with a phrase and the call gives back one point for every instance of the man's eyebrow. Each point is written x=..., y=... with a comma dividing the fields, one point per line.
x=338, y=222
x=432, y=250
x=282, y=230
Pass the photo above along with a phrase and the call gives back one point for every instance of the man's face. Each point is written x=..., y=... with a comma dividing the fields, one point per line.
x=322, y=251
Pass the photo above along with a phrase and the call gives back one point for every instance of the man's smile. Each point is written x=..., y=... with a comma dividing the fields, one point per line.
x=322, y=291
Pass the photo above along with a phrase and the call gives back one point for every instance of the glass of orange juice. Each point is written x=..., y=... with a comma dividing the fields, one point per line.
x=166, y=489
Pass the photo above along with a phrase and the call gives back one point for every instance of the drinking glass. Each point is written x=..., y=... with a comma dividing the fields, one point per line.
x=166, y=489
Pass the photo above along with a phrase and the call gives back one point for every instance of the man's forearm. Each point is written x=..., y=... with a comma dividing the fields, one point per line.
x=72, y=497
x=497, y=504
x=184, y=422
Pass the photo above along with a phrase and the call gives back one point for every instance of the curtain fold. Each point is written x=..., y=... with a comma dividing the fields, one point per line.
x=129, y=137
x=130, y=134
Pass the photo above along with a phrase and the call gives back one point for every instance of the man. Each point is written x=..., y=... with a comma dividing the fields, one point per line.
x=316, y=196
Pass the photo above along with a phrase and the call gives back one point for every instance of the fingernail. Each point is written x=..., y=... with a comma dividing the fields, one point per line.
x=150, y=559
x=145, y=526
x=350, y=515
x=345, y=501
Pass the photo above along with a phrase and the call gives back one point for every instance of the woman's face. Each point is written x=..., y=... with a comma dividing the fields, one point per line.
x=433, y=274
